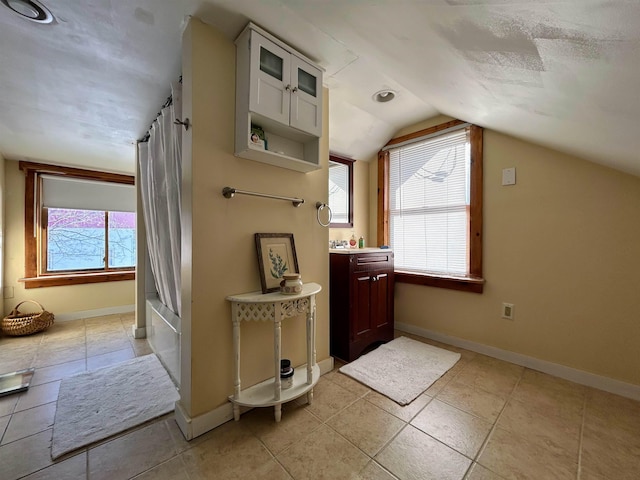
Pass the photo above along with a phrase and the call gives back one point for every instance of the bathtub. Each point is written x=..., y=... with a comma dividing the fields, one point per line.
x=163, y=334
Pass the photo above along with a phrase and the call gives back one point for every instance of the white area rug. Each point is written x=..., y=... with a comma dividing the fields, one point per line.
x=401, y=369
x=95, y=405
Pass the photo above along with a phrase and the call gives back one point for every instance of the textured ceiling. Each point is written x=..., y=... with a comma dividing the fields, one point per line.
x=564, y=74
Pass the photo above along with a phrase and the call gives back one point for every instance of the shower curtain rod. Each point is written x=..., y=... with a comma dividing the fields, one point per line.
x=229, y=192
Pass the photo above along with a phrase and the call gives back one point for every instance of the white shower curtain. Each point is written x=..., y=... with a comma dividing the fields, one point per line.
x=160, y=183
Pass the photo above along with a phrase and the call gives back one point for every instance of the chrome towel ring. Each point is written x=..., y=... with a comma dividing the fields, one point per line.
x=322, y=206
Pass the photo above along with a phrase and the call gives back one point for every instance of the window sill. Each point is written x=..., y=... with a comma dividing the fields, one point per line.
x=77, y=279
x=464, y=284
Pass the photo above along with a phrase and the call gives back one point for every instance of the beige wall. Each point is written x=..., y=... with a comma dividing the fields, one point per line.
x=219, y=256
x=360, y=207
x=2, y=228
x=563, y=246
x=59, y=300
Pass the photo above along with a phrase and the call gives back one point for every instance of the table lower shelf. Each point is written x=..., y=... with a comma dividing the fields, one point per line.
x=262, y=394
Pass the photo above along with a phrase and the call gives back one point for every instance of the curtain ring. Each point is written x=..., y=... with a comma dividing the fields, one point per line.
x=321, y=206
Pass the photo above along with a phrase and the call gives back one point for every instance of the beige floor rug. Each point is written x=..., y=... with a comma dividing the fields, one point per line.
x=401, y=369
x=95, y=405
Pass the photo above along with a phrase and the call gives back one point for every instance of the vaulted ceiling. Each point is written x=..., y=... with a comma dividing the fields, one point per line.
x=564, y=74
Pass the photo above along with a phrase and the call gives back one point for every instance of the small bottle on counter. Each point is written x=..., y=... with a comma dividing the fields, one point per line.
x=361, y=242
x=353, y=242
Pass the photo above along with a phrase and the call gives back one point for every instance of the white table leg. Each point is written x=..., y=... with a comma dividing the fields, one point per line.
x=278, y=411
x=236, y=412
x=277, y=333
x=236, y=360
x=310, y=397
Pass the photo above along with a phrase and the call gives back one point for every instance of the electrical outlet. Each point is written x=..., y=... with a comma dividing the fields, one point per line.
x=507, y=311
x=509, y=176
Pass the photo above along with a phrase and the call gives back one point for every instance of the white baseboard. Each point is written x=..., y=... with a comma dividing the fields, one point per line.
x=139, y=332
x=99, y=312
x=600, y=382
x=194, y=427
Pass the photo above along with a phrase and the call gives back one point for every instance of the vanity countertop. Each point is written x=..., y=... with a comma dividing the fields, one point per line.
x=352, y=251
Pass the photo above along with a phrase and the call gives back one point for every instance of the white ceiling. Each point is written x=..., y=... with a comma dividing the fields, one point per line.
x=565, y=74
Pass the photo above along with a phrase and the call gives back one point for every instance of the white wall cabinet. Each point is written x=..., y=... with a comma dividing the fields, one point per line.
x=279, y=90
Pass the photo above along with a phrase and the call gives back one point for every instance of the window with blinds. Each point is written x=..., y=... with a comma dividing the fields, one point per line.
x=429, y=200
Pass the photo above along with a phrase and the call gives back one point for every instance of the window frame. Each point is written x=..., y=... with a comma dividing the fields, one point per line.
x=474, y=281
x=35, y=231
x=349, y=164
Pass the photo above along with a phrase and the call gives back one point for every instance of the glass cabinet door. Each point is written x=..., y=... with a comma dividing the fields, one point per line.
x=270, y=79
x=306, y=97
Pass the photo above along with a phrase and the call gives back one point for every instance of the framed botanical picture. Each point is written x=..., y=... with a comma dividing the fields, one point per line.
x=276, y=256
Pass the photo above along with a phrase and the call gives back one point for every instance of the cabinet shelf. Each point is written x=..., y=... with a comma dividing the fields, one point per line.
x=261, y=395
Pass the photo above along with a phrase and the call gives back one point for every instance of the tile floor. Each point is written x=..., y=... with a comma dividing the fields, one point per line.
x=484, y=420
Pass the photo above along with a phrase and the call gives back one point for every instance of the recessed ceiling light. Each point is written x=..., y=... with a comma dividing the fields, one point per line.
x=30, y=10
x=384, y=96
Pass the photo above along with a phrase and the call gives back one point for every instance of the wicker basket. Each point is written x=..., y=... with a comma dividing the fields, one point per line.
x=17, y=323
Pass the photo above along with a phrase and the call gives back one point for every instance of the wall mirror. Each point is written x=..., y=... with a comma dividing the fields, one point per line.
x=341, y=191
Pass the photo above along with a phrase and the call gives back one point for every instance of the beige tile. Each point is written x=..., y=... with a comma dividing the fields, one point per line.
x=403, y=412
x=271, y=471
x=415, y=455
x=347, y=383
x=62, y=331
x=606, y=409
x=457, y=429
x=102, y=319
x=8, y=342
x=496, y=377
x=513, y=456
x=373, y=471
x=141, y=347
x=366, y=426
x=8, y=404
x=228, y=452
x=610, y=451
x=17, y=358
x=550, y=393
x=112, y=326
x=4, y=421
x=58, y=372
x=472, y=399
x=38, y=395
x=323, y=455
x=68, y=352
x=478, y=472
x=70, y=469
x=179, y=441
x=26, y=456
x=437, y=386
x=131, y=454
x=109, y=359
x=588, y=475
x=542, y=426
x=173, y=469
x=106, y=342
x=29, y=422
x=328, y=399
x=296, y=423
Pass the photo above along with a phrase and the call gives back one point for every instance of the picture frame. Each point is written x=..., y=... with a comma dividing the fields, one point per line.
x=276, y=256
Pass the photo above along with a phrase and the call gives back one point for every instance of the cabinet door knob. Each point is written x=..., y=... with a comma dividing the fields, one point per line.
x=287, y=88
x=295, y=89
x=374, y=279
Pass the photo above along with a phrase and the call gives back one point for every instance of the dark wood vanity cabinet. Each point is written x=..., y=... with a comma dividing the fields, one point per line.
x=361, y=301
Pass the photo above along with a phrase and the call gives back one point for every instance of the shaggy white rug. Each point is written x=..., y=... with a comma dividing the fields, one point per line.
x=95, y=405
x=401, y=369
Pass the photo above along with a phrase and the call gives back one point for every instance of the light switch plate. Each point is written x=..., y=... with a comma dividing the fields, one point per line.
x=509, y=176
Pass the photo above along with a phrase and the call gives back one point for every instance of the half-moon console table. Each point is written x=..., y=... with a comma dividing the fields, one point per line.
x=275, y=307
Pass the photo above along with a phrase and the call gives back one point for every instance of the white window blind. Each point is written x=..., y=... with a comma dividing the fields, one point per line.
x=429, y=182
x=76, y=193
x=339, y=192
